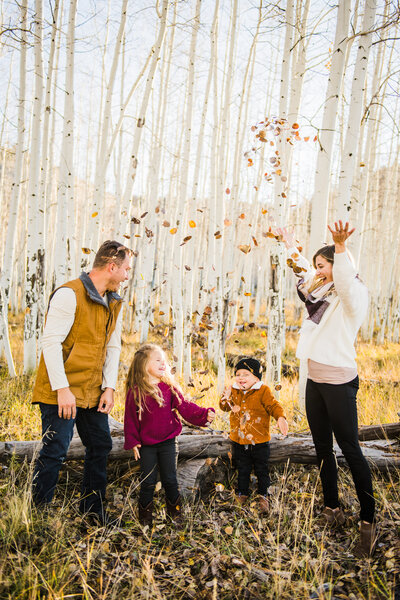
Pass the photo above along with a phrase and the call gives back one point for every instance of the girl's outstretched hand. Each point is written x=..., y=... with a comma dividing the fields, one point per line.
x=287, y=237
x=340, y=233
x=210, y=416
x=136, y=452
x=283, y=426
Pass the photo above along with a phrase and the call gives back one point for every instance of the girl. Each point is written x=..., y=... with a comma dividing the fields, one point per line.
x=151, y=425
x=336, y=301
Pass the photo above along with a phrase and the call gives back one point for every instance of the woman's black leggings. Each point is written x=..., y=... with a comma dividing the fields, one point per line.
x=333, y=409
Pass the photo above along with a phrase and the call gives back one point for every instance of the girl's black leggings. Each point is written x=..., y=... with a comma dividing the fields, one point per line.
x=332, y=409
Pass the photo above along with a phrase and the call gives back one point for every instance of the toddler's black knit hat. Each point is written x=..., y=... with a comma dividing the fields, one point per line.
x=250, y=364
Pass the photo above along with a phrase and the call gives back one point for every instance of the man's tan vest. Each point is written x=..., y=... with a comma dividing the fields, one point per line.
x=84, y=348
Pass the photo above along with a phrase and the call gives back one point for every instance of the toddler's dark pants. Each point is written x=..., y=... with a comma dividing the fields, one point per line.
x=245, y=458
x=333, y=409
x=161, y=458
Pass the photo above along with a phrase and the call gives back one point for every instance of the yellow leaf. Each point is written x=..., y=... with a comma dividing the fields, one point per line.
x=173, y=230
x=86, y=250
x=192, y=224
x=247, y=293
x=245, y=248
x=229, y=530
x=95, y=214
x=227, y=222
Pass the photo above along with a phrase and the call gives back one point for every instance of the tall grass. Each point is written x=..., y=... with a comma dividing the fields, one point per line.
x=221, y=551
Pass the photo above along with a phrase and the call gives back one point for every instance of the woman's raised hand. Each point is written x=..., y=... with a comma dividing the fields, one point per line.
x=340, y=233
x=287, y=237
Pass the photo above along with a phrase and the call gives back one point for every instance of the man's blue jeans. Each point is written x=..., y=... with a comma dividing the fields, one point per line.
x=94, y=432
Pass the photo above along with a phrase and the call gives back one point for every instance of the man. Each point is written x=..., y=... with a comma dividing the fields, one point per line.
x=77, y=375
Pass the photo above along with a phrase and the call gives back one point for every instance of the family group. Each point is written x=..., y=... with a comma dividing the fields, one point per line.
x=78, y=371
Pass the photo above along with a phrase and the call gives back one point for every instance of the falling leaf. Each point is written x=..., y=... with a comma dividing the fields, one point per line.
x=264, y=211
x=128, y=237
x=254, y=240
x=272, y=160
x=315, y=138
x=243, y=279
x=247, y=293
x=256, y=188
x=157, y=209
x=227, y=191
x=161, y=312
x=242, y=216
x=135, y=220
x=227, y=222
x=207, y=310
x=283, y=195
x=245, y=248
x=307, y=138
x=143, y=215
x=166, y=223
x=173, y=370
x=249, y=162
x=217, y=233
x=218, y=236
x=192, y=224
x=86, y=250
x=278, y=387
x=362, y=164
x=95, y=214
x=295, y=126
x=173, y=230
x=137, y=235
x=187, y=268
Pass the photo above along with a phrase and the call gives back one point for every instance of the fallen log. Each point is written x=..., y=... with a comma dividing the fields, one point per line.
x=381, y=454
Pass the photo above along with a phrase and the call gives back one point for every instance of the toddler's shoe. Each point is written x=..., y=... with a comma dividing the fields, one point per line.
x=241, y=499
x=263, y=505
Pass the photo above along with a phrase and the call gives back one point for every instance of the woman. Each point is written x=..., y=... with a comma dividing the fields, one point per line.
x=336, y=301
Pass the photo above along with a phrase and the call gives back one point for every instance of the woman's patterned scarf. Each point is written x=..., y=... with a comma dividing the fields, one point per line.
x=316, y=301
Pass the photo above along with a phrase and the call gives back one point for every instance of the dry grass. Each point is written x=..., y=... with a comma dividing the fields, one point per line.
x=221, y=552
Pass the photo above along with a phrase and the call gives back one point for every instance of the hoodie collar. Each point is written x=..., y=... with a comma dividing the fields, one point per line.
x=94, y=294
x=256, y=386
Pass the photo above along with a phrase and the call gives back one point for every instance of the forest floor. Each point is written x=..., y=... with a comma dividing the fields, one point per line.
x=220, y=552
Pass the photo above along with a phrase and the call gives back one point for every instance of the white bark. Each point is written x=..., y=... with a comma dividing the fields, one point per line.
x=320, y=201
x=34, y=254
x=349, y=155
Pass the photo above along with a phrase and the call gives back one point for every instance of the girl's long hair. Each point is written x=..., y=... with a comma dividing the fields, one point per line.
x=138, y=379
x=328, y=253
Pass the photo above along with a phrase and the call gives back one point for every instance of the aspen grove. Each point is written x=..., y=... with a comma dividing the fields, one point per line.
x=190, y=131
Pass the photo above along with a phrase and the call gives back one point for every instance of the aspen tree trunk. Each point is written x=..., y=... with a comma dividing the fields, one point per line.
x=65, y=246
x=101, y=163
x=277, y=256
x=218, y=334
x=320, y=201
x=35, y=252
x=9, y=249
x=186, y=274
x=349, y=155
x=143, y=108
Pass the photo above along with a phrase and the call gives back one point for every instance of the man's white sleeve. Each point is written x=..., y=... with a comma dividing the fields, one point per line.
x=60, y=319
x=110, y=368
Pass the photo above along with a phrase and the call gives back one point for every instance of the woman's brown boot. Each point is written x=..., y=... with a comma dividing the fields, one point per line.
x=146, y=514
x=367, y=542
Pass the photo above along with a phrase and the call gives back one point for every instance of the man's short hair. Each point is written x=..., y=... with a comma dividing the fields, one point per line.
x=110, y=252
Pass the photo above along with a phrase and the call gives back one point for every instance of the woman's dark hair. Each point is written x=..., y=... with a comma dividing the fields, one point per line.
x=327, y=252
